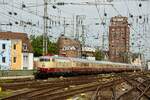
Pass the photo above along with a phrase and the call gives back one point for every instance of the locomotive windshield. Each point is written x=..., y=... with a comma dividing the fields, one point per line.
x=44, y=59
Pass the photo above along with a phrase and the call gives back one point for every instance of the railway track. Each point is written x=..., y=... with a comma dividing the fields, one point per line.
x=64, y=88
x=140, y=87
x=40, y=83
x=133, y=86
x=34, y=86
x=55, y=91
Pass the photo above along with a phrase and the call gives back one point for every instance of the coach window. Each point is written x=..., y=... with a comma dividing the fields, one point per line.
x=86, y=64
x=67, y=64
x=53, y=60
x=46, y=60
x=62, y=64
x=41, y=59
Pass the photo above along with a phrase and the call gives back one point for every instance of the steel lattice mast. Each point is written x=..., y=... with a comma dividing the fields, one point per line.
x=45, y=18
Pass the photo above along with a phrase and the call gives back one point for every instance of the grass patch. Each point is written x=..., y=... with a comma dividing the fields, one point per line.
x=6, y=81
x=4, y=94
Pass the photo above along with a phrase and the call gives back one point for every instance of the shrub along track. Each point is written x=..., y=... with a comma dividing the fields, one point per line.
x=63, y=88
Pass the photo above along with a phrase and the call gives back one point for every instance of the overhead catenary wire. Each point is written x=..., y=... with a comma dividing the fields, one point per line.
x=129, y=25
x=34, y=13
x=14, y=19
x=27, y=12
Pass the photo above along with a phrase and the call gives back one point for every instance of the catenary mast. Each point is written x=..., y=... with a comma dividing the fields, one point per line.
x=45, y=18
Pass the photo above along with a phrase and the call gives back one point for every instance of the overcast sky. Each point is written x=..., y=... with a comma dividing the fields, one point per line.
x=33, y=12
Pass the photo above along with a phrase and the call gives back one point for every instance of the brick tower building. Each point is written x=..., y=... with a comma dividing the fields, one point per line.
x=119, y=39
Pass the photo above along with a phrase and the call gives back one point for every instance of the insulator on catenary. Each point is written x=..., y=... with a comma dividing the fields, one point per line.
x=54, y=7
x=23, y=6
x=131, y=15
x=16, y=22
x=140, y=5
x=10, y=13
x=105, y=14
x=10, y=24
x=15, y=13
x=140, y=17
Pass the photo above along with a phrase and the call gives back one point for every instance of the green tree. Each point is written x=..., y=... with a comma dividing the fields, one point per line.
x=37, y=45
x=99, y=55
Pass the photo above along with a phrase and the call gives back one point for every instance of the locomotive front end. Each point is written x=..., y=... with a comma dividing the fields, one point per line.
x=44, y=66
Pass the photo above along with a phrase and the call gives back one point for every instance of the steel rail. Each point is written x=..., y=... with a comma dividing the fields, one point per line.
x=62, y=94
x=46, y=85
x=134, y=87
x=146, y=89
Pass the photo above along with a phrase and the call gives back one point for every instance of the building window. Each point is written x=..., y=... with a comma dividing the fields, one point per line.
x=14, y=46
x=25, y=58
x=112, y=29
x=25, y=47
x=3, y=59
x=15, y=59
x=3, y=46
